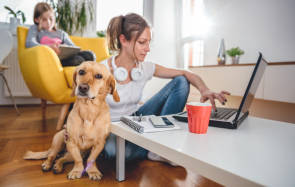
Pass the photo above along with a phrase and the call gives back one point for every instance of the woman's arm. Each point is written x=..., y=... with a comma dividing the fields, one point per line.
x=195, y=80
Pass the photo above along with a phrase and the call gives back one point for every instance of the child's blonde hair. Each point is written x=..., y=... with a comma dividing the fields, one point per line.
x=39, y=9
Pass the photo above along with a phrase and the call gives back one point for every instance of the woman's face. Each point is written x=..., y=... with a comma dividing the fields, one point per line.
x=141, y=46
x=46, y=20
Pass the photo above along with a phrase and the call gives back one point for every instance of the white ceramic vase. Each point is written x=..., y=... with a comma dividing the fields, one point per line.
x=221, y=57
x=14, y=22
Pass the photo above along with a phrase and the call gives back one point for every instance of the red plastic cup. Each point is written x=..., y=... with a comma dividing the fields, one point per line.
x=198, y=117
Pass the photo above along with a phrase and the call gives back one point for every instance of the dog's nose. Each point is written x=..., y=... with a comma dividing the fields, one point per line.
x=83, y=88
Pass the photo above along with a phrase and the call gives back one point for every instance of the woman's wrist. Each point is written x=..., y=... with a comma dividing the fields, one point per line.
x=196, y=81
x=203, y=89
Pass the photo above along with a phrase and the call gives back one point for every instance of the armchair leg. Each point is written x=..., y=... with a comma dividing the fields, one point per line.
x=62, y=116
x=43, y=107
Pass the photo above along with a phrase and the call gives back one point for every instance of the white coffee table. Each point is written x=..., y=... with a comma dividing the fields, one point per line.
x=259, y=152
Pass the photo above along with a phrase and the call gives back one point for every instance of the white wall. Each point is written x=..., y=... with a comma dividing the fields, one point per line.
x=264, y=25
x=107, y=9
x=163, y=46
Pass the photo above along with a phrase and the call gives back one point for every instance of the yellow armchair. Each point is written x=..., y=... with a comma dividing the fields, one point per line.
x=44, y=75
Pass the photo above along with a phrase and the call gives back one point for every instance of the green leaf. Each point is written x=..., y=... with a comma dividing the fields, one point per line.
x=101, y=34
x=75, y=17
x=235, y=52
x=23, y=17
x=10, y=11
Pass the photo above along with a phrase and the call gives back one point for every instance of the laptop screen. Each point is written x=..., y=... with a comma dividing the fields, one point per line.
x=252, y=85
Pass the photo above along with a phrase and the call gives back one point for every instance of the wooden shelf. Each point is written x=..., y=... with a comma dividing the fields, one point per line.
x=247, y=64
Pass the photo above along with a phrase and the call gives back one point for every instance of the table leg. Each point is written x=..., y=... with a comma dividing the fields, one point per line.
x=120, y=158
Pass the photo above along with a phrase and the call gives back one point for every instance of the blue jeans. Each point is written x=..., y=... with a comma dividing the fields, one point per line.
x=169, y=100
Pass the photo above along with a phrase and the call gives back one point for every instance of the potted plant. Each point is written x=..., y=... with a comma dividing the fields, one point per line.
x=101, y=34
x=16, y=14
x=235, y=54
x=15, y=19
x=73, y=16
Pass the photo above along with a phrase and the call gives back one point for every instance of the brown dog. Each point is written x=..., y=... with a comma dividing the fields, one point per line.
x=88, y=123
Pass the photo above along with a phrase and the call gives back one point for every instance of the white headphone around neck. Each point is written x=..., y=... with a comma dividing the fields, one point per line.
x=121, y=73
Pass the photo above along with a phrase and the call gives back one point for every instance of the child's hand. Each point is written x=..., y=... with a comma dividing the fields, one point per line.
x=55, y=47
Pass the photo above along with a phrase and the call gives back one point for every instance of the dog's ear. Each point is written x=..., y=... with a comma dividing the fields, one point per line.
x=74, y=83
x=113, y=90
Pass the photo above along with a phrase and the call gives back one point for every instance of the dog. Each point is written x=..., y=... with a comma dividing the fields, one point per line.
x=88, y=124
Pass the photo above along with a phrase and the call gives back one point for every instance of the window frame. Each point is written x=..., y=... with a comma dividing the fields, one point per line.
x=180, y=40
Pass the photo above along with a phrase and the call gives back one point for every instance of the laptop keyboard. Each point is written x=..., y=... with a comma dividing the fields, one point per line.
x=222, y=113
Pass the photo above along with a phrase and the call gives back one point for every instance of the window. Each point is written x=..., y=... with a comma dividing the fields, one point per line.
x=107, y=9
x=193, y=53
x=195, y=26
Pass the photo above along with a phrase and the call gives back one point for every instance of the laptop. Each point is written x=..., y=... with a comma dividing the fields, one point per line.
x=231, y=118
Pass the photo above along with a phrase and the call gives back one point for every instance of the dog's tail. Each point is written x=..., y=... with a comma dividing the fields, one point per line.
x=30, y=155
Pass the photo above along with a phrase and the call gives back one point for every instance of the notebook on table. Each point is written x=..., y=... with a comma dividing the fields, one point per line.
x=231, y=118
x=144, y=126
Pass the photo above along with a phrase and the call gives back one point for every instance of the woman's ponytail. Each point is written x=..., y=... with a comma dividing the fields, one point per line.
x=113, y=33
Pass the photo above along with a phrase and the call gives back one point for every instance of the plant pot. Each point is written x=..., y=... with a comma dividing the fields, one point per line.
x=235, y=59
x=14, y=22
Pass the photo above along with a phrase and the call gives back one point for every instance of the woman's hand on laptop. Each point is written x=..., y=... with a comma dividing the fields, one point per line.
x=208, y=94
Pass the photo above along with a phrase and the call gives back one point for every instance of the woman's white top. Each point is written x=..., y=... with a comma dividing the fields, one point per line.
x=130, y=93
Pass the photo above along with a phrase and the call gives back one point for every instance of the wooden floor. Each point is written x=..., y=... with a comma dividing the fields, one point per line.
x=26, y=132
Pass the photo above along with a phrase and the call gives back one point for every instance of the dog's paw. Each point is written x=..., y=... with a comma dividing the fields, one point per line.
x=46, y=166
x=95, y=175
x=74, y=174
x=57, y=168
